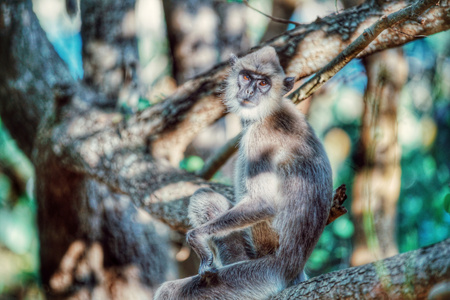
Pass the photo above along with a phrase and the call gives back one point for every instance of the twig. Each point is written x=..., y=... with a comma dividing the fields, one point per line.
x=219, y=158
x=352, y=50
x=275, y=19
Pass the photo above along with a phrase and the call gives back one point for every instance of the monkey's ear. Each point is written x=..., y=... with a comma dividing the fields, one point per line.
x=233, y=59
x=288, y=83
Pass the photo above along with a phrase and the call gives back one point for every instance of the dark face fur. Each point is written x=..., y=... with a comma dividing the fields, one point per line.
x=252, y=86
x=256, y=85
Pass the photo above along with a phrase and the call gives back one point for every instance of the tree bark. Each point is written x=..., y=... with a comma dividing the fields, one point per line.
x=378, y=176
x=409, y=275
x=377, y=181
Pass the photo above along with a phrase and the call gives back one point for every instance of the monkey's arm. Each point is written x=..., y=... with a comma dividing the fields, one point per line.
x=205, y=205
x=244, y=214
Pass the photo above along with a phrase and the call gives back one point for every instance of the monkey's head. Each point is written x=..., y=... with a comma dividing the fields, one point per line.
x=256, y=84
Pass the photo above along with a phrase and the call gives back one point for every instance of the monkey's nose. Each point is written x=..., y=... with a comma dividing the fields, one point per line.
x=249, y=92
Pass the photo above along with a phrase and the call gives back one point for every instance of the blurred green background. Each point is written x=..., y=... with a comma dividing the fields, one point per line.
x=423, y=208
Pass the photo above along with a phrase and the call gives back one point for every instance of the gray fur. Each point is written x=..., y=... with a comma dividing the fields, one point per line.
x=283, y=191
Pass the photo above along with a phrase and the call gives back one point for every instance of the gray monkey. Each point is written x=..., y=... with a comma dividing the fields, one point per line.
x=257, y=246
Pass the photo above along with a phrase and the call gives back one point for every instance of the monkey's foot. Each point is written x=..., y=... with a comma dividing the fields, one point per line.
x=207, y=268
x=208, y=273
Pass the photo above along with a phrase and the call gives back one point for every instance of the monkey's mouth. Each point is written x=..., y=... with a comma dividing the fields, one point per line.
x=247, y=103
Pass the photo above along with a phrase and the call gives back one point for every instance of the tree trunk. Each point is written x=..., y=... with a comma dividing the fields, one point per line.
x=110, y=55
x=91, y=239
x=377, y=181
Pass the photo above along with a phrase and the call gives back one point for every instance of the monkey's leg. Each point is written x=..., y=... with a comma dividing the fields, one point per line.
x=205, y=205
x=250, y=280
x=242, y=215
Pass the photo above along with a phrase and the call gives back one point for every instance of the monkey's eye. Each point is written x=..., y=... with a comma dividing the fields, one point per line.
x=263, y=83
x=246, y=78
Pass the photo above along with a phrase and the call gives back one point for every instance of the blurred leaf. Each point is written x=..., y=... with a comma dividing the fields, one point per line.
x=5, y=188
x=343, y=228
x=447, y=203
x=413, y=206
x=327, y=240
x=429, y=166
x=342, y=252
x=192, y=163
x=143, y=104
x=18, y=227
x=318, y=258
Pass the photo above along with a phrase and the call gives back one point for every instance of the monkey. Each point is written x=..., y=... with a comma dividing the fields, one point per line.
x=283, y=194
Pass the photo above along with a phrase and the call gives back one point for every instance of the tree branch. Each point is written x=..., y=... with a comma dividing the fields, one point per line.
x=411, y=12
x=120, y=162
x=404, y=276
x=274, y=19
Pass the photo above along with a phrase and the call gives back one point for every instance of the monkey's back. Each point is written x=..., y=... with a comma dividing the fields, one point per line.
x=288, y=167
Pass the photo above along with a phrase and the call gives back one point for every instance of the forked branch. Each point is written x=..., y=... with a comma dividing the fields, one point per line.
x=326, y=73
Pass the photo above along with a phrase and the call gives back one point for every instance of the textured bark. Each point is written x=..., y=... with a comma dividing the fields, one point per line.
x=412, y=12
x=378, y=177
x=405, y=276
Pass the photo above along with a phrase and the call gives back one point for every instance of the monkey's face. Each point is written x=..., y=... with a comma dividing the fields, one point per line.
x=252, y=88
x=256, y=84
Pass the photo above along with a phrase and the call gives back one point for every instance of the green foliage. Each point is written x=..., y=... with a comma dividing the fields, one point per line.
x=447, y=203
x=143, y=104
x=317, y=258
x=343, y=227
x=18, y=234
x=192, y=163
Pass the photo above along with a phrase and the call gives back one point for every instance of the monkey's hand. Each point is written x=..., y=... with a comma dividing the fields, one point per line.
x=198, y=243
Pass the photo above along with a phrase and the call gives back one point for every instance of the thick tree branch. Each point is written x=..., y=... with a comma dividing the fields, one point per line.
x=409, y=275
x=119, y=160
x=411, y=13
